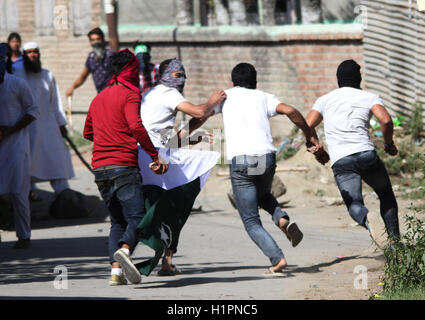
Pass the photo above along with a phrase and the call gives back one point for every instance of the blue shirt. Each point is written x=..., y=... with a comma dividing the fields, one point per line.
x=100, y=69
x=18, y=64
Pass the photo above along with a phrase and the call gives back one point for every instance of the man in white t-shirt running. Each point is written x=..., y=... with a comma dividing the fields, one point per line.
x=346, y=113
x=246, y=112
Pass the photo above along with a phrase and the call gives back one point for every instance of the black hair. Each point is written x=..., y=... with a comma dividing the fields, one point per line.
x=244, y=75
x=164, y=64
x=8, y=57
x=147, y=56
x=14, y=35
x=119, y=60
x=96, y=31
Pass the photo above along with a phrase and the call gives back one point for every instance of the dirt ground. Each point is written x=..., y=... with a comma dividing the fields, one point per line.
x=313, y=201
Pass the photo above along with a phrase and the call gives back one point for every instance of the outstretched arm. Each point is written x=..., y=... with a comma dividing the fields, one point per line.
x=296, y=117
x=203, y=110
x=80, y=80
x=313, y=119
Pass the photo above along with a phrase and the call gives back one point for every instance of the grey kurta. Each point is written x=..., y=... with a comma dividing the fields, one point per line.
x=51, y=158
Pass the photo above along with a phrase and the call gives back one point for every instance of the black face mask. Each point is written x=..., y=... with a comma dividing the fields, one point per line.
x=144, y=59
x=99, y=49
x=349, y=75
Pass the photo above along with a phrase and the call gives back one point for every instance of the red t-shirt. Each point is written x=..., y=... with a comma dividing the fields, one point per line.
x=114, y=125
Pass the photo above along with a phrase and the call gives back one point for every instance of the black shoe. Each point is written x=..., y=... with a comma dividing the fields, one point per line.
x=22, y=244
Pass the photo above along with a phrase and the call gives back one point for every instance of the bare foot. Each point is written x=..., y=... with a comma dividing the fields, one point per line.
x=283, y=225
x=280, y=266
x=167, y=261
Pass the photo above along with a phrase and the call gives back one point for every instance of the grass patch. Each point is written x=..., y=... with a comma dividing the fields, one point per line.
x=415, y=124
x=78, y=139
x=404, y=271
x=404, y=294
x=407, y=161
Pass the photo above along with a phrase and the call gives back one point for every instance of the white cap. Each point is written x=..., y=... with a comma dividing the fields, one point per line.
x=30, y=45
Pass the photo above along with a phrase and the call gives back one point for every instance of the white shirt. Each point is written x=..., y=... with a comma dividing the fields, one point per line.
x=246, y=114
x=51, y=158
x=15, y=155
x=158, y=112
x=346, y=114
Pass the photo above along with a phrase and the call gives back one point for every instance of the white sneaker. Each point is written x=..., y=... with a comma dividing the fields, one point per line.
x=129, y=269
x=116, y=280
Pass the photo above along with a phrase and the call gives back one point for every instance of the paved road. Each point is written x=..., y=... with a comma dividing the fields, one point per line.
x=216, y=256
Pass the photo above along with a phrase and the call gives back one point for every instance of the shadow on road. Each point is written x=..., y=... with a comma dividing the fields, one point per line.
x=37, y=263
x=316, y=268
x=40, y=218
x=184, y=282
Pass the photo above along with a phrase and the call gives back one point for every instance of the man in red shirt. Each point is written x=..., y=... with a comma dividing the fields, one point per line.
x=114, y=125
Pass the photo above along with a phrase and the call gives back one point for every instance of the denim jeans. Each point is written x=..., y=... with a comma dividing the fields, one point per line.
x=252, y=178
x=122, y=191
x=349, y=173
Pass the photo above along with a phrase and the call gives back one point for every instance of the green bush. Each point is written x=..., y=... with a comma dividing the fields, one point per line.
x=415, y=125
x=78, y=139
x=405, y=260
x=405, y=294
x=287, y=153
x=404, y=162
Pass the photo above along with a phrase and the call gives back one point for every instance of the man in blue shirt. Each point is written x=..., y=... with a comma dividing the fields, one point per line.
x=14, y=40
x=97, y=63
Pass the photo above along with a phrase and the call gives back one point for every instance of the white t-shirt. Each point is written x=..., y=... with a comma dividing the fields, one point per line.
x=346, y=114
x=246, y=114
x=158, y=111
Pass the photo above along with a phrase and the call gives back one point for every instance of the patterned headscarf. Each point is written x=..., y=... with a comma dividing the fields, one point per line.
x=168, y=80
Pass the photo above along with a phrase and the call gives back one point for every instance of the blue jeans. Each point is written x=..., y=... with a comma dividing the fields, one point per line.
x=122, y=191
x=252, y=178
x=349, y=173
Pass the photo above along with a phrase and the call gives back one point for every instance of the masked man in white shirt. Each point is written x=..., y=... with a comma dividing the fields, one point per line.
x=346, y=113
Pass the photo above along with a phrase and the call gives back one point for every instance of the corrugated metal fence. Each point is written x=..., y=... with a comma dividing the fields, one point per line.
x=394, y=52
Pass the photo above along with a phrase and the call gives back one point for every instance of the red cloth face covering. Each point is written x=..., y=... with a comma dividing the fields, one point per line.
x=129, y=75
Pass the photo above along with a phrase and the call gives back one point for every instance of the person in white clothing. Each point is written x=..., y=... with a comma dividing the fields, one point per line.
x=51, y=159
x=17, y=111
x=246, y=112
x=158, y=111
x=346, y=113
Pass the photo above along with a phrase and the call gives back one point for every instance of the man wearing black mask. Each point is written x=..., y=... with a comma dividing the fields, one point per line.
x=148, y=72
x=346, y=113
x=97, y=63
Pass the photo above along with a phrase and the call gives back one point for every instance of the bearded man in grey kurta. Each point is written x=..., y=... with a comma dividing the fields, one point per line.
x=51, y=159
